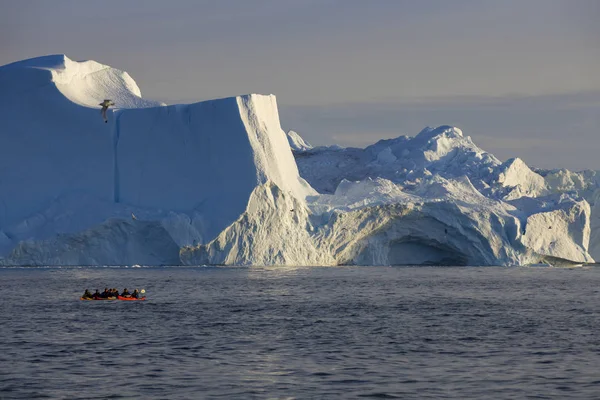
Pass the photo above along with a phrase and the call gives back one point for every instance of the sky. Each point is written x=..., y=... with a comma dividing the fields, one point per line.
x=521, y=77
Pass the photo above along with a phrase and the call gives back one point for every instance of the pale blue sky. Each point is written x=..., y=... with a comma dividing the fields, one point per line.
x=519, y=76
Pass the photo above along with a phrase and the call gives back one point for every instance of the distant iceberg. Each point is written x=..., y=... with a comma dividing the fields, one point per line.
x=297, y=143
x=219, y=182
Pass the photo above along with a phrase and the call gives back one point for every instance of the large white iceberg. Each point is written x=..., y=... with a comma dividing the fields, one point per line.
x=216, y=182
x=190, y=167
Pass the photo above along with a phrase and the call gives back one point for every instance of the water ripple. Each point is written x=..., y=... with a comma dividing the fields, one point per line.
x=381, y=333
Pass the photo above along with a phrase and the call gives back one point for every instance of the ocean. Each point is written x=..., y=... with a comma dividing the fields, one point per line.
x=301, y=333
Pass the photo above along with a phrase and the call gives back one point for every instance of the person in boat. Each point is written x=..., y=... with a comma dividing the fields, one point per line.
x=135, y=294
x=97, y=294
x=105, y=294
x=87, y=295
x=125, y=293
x=114, y=292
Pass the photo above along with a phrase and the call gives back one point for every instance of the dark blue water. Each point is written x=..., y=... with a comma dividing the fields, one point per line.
x=236, y=333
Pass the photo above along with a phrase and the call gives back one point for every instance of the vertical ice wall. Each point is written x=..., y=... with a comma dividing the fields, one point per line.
x=201, y=159
x=204, y=158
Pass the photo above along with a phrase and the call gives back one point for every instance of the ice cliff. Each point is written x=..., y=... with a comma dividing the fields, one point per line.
x=190, y=167
x=219, y=182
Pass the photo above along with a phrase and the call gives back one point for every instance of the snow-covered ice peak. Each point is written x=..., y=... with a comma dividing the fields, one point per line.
x=297, y=143
x=85, y=83
x=443, y=150
x=443, y=143
x=520, y=180
x=430, y=133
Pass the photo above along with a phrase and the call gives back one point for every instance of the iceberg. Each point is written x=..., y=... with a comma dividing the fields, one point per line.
x=220, y=183
x=191, y=167
x=297, y=143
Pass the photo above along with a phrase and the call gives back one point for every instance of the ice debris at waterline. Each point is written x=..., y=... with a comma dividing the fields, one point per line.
x=219, y=182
